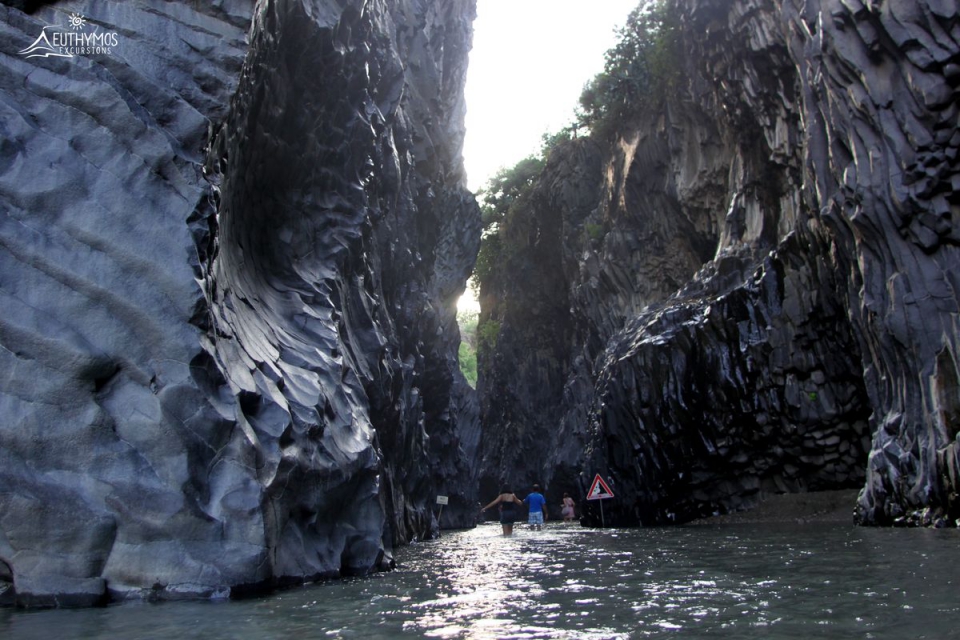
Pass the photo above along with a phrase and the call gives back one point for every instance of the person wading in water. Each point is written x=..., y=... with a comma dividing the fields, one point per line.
x=567, y=508
x=508, y=502
x=538, y=508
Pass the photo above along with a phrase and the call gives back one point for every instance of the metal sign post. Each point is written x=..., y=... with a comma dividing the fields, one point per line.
x=441, y=500
x=599, y=491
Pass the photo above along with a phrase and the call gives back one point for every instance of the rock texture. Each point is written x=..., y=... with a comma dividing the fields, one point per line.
x=758, y=278
x=231, y=252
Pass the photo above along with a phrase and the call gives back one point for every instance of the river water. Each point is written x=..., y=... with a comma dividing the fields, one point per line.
x=732, y=581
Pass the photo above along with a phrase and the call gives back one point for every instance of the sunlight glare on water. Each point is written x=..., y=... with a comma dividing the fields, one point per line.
x=570, y=582
x=750, y=581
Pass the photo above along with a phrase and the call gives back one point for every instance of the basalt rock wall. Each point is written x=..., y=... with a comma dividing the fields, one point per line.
x=761, y=295
x=231, y=251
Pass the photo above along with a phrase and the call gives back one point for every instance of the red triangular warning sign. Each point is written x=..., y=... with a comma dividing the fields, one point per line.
x=599, y=490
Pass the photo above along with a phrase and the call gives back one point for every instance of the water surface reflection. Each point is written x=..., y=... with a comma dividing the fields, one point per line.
x=749, y=581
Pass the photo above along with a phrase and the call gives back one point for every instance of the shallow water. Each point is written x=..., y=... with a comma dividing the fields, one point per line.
x=740, y=581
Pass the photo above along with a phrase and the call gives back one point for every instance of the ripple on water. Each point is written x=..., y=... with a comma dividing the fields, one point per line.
x=569, y=582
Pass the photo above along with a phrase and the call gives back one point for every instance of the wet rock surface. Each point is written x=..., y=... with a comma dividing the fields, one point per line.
x=793, y=508
x=232, y=249
x=758, y=277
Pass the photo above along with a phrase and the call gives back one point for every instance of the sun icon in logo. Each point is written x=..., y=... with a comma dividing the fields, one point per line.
x=76, y=21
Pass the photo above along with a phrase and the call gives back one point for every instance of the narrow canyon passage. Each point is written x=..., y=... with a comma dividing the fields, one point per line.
x=234, y=235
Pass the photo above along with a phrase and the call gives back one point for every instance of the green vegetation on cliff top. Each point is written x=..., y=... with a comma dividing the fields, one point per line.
x=638, y=71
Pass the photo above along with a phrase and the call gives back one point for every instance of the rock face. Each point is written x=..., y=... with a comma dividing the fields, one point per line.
x=753, y=289
x=232, y=248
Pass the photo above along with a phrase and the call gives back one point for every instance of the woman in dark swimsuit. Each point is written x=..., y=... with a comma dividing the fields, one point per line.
x=508, y=512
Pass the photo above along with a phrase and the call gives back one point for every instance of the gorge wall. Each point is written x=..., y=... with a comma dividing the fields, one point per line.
x=232, y=245
x=752, y=288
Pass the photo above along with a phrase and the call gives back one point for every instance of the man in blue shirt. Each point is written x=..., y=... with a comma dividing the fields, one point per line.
x=538, y=508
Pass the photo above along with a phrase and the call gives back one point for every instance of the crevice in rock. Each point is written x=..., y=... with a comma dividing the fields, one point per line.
x=947, y=395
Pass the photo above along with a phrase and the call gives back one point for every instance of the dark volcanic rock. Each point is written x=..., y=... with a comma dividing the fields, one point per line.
x=523, y=379
x=763, y=288
x=231, y=254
